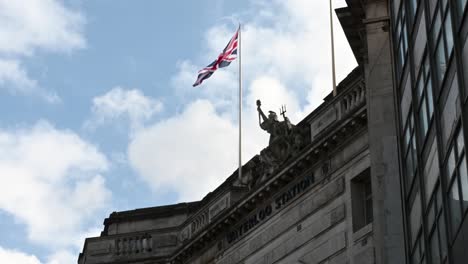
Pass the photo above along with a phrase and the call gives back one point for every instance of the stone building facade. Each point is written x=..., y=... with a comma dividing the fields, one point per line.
x=376, y=174
x=314, y=206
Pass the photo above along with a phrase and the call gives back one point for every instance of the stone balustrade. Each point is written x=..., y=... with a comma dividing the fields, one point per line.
x=353, y=98
x=344, y=103
x=138, y=244
x=200, y=221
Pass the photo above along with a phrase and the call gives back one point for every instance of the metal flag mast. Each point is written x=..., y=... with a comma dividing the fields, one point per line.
x=332, y=50
x=240, y=101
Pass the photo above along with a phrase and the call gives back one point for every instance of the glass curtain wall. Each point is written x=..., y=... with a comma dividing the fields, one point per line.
x=431, y=68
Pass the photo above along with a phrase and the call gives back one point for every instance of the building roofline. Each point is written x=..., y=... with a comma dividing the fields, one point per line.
x=191, y=208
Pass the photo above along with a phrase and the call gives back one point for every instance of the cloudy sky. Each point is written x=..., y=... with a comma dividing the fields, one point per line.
x=99, y=112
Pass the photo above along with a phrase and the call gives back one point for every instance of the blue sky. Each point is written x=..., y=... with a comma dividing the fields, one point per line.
x=99, y=114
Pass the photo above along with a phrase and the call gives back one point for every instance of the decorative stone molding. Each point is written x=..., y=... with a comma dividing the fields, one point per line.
x=138, y=244
x=219, y=206
x=353, y=99
x=314, y=153
x=200, y=221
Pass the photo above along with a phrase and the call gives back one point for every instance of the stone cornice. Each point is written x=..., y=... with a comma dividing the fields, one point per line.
x=314, y=153
x=335, y=123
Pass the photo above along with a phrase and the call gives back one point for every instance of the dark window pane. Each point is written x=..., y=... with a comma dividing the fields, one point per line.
x=450, y=164
x=409, y=170
x=407, y=137
x=431, y=169
x=405, y=38
x=436, y=27
x=368, y=201
x=460, y=143
x=444, y=5
x=396, y=6
x=450, y=113
x=430, y=99
x=421, y=248
x=443, y=239
x=405, y=100
x=448, y=33
x=424, y=123
x=464, y=183
x=361, y=198
x=426, y=67
x=369, y=211
x=414, y=153
x=420, y=86
x=398, y=29
x=454, y=203
x=414, y=6
x=461, y=6
x=431, y=216
x=415, y=216
x=432, y=5
x=440, y=57
x=416, y=251
x=402, y=57
x=435, y=251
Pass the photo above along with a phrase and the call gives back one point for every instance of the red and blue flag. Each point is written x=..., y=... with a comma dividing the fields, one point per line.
x=224, y=59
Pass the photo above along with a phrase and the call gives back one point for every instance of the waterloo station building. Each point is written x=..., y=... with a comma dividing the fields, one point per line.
x=376, y=174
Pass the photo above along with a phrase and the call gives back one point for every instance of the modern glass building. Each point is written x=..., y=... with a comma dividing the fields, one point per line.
x=430, y=55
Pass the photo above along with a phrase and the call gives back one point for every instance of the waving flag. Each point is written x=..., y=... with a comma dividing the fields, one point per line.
x=224, y=59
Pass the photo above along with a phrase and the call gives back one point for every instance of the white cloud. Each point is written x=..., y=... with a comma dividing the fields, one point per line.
x=62, y=257
x=184, y=152
x=292, y=46
x=17, y=257
x=118, y=103
x=286, y=60
x=15, y=79
x=12, y=256
x=51, y=183
x=34, y=25
x=28, y=25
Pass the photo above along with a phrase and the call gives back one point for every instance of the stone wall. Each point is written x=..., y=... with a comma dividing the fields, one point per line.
x=316, y=227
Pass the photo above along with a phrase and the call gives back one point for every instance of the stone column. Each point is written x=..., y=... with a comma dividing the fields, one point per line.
x=388, y=221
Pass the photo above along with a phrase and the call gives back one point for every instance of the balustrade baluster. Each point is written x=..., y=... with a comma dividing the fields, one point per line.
x=124, y=246
x=150, y=243
x=138, y=245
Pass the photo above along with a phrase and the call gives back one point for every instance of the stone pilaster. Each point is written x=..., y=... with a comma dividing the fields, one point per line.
x=383, y=143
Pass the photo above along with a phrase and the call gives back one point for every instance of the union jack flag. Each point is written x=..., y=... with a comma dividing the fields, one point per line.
x=224, y=59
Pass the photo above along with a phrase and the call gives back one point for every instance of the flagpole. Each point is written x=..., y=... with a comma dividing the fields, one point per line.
x=240, y=103
x=332, y=50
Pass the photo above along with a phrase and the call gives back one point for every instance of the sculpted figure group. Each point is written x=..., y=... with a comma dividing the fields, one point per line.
x=285, y=141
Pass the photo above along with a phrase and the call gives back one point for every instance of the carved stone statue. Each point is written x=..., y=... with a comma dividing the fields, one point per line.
x=271, y=124
x=286, y=140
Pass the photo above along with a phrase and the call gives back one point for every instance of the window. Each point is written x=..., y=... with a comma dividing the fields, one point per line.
x=420, y=42
x=450, y=113
x=414, y=222
x=415, y=215
x=417, y=254
x=406, y=98
x=442, y=36
x=413, y=7
x=361, y=196
x=401, y=35
x=431, y=169
x=396, y=6
x=461, y=7
x=425, y=99
x=409, y=146
x=436, y=228
x=457, y=182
